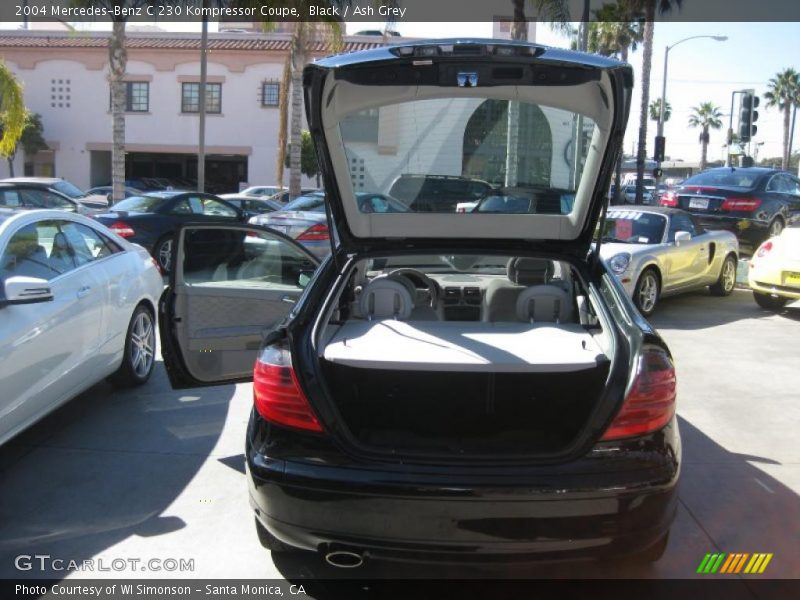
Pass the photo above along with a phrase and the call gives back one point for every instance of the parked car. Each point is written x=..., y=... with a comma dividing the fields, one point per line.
x=262, y=190
x=774, y=273
x=755, y=203
x=151, y=220
x=283, y=195
x=551, y=201
x=25, y=196
x=657, y=252
x=412, y=405
x=436, y=193
x=64, y=187
x=252, y=205
x=304, y=218
x=107, y=191
x=78, y=305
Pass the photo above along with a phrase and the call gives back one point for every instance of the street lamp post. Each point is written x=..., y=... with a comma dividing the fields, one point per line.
x=660, y=133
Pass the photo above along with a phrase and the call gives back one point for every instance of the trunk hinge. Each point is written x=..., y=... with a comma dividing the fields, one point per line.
x=601, y=225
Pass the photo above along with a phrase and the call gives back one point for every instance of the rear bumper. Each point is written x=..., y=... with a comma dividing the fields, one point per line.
x=749, y=231
x=599, y=506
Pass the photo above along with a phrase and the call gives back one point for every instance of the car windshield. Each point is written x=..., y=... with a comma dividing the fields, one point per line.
x=66, y=188
x=307, y=204
x=634, y=227
x=139, y=204
x=431, y=154
x=730, y=178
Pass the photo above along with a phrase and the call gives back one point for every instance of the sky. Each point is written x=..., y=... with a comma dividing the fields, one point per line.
x=701, y=70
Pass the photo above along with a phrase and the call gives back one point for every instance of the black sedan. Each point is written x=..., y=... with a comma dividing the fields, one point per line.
x=150, y=220
x=755, y=203
x=252, y=205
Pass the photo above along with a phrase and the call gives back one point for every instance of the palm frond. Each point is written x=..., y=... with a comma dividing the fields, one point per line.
x=12, y=110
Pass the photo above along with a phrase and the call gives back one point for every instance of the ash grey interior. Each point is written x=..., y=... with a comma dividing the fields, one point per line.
x=465, y=361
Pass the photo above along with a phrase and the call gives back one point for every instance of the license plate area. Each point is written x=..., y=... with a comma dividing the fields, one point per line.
x=700, y=203
x=791, y=278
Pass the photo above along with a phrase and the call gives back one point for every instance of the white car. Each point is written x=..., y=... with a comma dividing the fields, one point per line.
x=77, y=304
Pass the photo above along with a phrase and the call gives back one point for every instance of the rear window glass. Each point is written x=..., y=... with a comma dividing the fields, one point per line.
x=307, y=204
x=139, y=204
x=724, y=178
x=435, y=153
x=66, y=188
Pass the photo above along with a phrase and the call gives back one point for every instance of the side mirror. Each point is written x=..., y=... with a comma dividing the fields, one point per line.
x=26, y=290
x=681, y=237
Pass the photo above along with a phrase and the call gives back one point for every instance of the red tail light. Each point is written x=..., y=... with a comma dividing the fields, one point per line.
x=741, y=204
x=650, y=403
x=122, y=229
x=315, y=232
x=764, y=249
x=277, y=395
x=669, y=199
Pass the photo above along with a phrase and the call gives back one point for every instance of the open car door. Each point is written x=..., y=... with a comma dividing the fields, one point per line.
x=228, y=287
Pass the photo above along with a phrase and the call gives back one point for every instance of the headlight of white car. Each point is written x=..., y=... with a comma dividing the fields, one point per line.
x=619, y=262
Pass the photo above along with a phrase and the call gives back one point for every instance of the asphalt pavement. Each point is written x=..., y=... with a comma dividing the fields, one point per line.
x=154, y=473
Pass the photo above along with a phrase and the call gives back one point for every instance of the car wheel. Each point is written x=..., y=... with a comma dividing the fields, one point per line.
x=773, y=303
x=654, y=552
x=727, y=278
x=646, y=292
x=163, y=253
x=139, y=353
x=775, y=227
x=269, y=541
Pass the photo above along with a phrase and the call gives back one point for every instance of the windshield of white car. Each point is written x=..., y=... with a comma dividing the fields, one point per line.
x=66, y=188
x=634, y=227
x=315, y=203
x=431, y=154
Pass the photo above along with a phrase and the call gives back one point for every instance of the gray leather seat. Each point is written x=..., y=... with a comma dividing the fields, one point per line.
x=547, y=303
x=502, y=294
x=386, y=298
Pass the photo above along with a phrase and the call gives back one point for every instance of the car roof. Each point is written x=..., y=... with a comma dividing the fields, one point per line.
x=753, y=170
x=659, y=210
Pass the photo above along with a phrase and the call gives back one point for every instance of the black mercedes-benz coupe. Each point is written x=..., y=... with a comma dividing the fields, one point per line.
x=443, y=386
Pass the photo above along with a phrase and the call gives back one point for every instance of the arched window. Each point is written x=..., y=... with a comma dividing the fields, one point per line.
x=486, y=144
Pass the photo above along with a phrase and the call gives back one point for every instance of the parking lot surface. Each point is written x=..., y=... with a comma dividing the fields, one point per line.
x=154, y=473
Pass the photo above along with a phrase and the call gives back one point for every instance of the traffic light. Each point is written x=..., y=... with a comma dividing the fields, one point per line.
x=748, y=115
x=660, y=146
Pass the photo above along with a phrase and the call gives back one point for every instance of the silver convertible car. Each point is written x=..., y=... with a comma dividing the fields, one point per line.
x=656, y=252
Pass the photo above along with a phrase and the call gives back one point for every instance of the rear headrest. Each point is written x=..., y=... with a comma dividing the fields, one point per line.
x=544, y=303
x=385, y=298
x=524, y=270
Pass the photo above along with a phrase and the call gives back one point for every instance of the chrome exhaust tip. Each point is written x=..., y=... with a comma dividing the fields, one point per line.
x=344, y=559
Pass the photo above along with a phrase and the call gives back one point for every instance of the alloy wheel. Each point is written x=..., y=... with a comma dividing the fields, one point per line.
x=142, y=344
x=728, y=275
x=648, y=292
x=165, y=254
x=775, y=228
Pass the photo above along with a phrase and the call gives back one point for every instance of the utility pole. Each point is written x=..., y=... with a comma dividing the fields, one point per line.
x=201, y=145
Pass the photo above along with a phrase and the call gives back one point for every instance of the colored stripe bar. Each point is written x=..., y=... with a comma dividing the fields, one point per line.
x=740, y=564
x=703, y=563
x=753, y=560
x=717, y=563
x=727, y=564
x=765, y=563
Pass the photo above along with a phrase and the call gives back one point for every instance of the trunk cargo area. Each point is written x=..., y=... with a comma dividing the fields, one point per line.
x=462, y=413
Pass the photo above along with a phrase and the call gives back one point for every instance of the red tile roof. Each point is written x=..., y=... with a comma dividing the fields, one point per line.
x=246, y=42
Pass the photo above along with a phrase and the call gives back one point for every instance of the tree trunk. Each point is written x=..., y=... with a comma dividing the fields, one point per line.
x=787, y=112
x=704, y=148
x=283, y=120
x=11, y=166
x=117, y=62
x=519, y=31
x=295, y=130
x=647, y=58
x=519, y=28
x=623, y=54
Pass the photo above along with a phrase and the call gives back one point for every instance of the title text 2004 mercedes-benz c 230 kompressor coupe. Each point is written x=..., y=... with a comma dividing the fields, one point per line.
x=444, y=386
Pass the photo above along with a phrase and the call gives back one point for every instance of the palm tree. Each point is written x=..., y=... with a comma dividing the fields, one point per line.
x=616, y=32
x=706, y=116
x=655, y=108
x=12, y=111
x=650, y=8
x=303, y=33
x=784, y=92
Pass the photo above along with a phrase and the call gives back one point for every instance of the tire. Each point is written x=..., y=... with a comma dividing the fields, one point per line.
x=654, y=552
x=269, y=541
x=726, y=282
x=775, y=227
x=162, y=252
x=647, y=291
x=138, y=356
x=773, y=303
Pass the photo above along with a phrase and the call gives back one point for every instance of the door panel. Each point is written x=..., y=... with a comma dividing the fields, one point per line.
x=689, y=261
x=232, y=285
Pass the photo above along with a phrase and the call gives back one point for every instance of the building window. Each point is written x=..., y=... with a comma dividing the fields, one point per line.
x=270, y=93
x=137, y=96
x=190, y=98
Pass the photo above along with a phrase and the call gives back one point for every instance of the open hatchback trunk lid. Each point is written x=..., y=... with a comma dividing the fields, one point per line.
x=520, y=138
